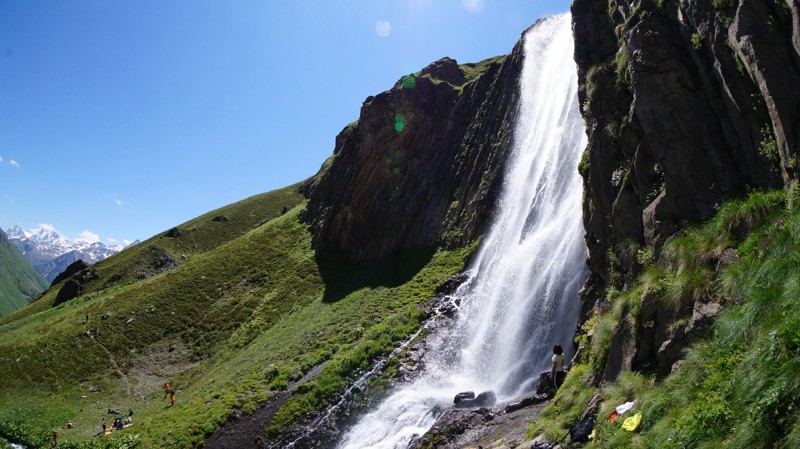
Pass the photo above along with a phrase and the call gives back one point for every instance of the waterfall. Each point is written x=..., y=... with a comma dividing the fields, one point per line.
x=523, y=296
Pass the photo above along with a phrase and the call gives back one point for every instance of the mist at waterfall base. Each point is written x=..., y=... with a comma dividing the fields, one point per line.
x=523, y=296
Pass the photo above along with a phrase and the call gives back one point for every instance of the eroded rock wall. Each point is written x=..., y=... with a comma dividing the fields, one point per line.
x=687, y=103
x=422, y=166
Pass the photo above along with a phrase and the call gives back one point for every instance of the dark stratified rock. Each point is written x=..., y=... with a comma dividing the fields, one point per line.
x=453, y=282
x=684, y=334
x=153, y=261
x=422, y=165
x=682, y=101
x=525, y=402
x=73, y=268
x=452, y=425
x=687, y=104
x=75, y=285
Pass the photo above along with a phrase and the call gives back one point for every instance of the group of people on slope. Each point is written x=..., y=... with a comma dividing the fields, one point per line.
x=119, y=423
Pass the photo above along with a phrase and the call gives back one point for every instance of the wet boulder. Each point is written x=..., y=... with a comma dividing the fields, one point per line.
x=468, y=399
x=461, y=398
x=544, y=386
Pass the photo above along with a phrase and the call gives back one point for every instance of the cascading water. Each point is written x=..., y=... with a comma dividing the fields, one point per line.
x=523, y=296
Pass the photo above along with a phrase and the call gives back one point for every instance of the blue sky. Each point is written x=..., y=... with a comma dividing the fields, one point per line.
x=122, y=118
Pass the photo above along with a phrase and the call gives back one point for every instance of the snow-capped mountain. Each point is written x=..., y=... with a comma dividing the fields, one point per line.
x=50, y=252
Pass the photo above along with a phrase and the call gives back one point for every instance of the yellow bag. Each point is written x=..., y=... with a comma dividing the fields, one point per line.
x=632, y=423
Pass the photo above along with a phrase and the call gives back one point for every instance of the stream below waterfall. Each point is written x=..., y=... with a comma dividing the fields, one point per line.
x=523, y=295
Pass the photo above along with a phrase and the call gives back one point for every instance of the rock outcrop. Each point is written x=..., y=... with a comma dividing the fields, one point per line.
x=78, y=265
x=76, y=284
x=687, y=104
x=468, y=399
x=422, y=165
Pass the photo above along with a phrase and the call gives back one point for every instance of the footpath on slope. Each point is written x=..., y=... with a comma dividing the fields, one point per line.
x=245, y=431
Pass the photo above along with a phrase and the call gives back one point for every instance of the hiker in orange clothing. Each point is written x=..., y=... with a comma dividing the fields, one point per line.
x=172, y=396
x=167, y=389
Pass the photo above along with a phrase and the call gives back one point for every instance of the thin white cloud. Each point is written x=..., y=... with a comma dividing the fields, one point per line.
x=116, y=199
x=1, y=158
x=46, y=227
x=127, y=242
x=88, y=236
x=110, y=240
x=14, y=163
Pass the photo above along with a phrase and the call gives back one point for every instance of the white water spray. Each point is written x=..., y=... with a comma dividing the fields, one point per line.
x=523, y=297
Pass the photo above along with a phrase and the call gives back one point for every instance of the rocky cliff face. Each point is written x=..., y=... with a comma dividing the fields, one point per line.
x=687, y=104
x=422, y=165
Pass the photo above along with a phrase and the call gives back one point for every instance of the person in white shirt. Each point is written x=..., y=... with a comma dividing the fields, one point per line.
x=557, y=371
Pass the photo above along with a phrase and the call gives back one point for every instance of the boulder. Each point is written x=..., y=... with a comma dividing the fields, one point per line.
x=525, y=402
x=544, y=385
x=174, y=233
x=468, y=399
x=464, y=397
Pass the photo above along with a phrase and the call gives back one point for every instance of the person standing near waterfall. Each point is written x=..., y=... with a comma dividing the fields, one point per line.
x=557, y=371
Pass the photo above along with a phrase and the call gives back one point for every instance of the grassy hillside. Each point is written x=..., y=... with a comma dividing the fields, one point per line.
x=19, y=282
x=247, y=312
x=179, y=244
x=737, y=387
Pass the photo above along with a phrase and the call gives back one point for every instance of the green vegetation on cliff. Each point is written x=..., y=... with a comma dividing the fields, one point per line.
x=738, y=384
x=249, y=311
x=19, y=282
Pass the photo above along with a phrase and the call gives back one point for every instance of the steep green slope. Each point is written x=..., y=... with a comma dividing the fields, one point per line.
x=229, y=328
x=738, y=385
x=19, y=282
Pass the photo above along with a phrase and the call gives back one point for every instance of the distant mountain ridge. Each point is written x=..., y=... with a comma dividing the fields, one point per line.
x=50, y=253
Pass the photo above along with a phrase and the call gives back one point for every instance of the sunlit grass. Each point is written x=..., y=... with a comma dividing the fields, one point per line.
x=250, y=316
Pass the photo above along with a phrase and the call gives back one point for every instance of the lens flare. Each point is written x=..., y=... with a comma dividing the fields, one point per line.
x=383, y=28
x=473, y=6
x=409, y=81
x=399, y=122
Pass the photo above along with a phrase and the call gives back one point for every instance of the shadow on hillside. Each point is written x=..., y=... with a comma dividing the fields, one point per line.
x=343, y=277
